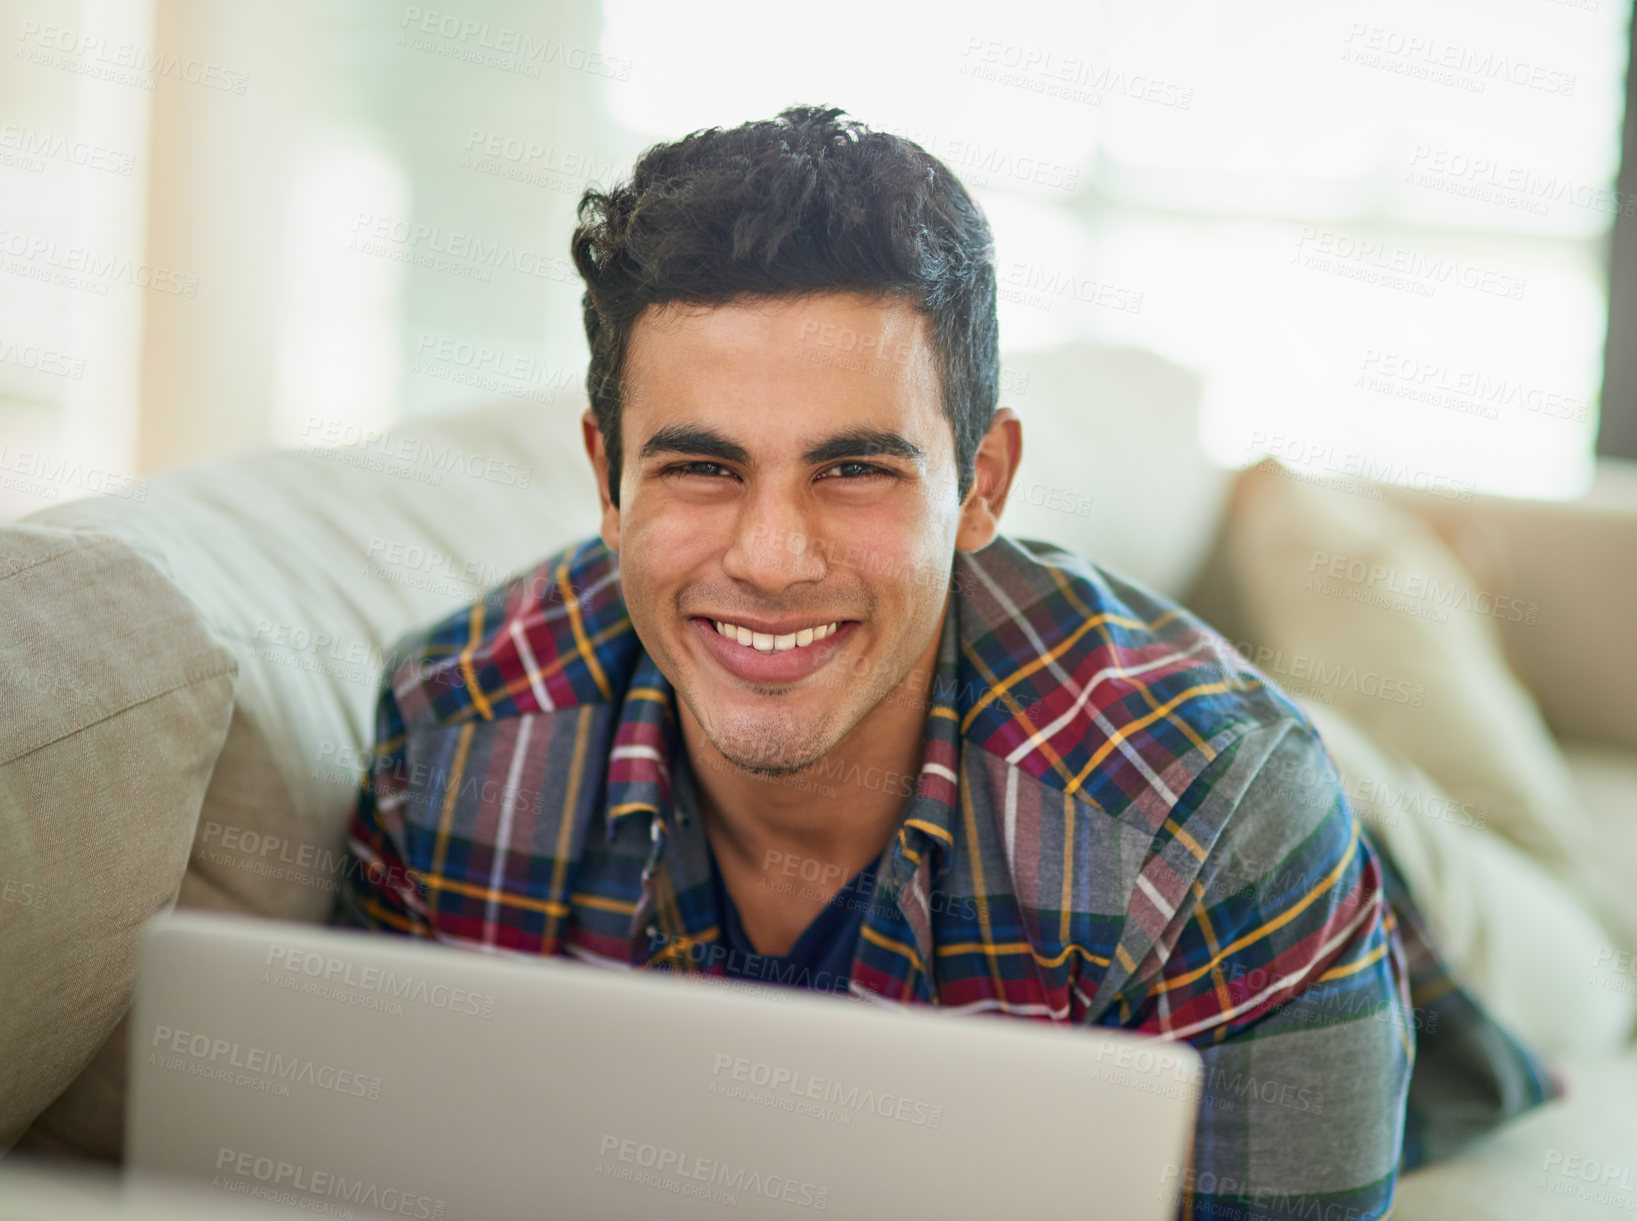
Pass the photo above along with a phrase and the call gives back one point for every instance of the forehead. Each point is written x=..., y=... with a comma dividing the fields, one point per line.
x=813, y=360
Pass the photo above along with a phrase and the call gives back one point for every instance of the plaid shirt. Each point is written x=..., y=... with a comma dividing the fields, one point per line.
x=1117, y=821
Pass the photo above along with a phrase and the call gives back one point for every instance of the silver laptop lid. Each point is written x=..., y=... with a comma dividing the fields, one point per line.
x=341, y=1072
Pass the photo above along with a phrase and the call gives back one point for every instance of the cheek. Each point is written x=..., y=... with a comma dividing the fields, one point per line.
x=889, y=560
x=662, y=543
x=905, y=558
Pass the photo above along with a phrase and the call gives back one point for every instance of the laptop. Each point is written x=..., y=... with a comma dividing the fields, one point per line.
x=358, y=1074
x=36, y=1187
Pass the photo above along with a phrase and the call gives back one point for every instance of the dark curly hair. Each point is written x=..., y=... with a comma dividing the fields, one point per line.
x=808, y=202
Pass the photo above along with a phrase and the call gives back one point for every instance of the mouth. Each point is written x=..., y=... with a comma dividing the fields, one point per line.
x=767, y=652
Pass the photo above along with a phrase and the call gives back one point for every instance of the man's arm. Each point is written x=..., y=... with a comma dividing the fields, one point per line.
x=1287, y=974
x=378, y=891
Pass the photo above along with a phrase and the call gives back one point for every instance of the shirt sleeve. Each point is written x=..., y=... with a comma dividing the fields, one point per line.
x=1287, y=974
x=378, y=890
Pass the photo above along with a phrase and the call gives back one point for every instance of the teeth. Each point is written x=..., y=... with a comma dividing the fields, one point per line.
x=764, y=642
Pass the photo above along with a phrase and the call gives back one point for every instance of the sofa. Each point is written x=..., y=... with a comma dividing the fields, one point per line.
x=188, y=674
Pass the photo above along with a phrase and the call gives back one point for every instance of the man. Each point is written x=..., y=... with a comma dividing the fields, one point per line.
x=803, y=715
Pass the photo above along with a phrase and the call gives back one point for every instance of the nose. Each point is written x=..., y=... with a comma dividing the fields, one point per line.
x=775, y=544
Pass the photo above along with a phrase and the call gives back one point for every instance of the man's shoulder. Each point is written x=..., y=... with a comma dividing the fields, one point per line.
x=1200, y=770
x=1094, y=684
x=554, y=636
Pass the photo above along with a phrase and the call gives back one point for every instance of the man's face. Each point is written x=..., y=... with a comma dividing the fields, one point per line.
x=788, y=471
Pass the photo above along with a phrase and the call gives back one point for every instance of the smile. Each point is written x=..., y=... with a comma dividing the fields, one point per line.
x=773, y=653
x=766, y=642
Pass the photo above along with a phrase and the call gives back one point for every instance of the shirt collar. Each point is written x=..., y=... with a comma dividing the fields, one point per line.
x=645, y=741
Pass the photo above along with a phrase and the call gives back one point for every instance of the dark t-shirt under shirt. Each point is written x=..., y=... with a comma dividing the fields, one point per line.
x=821, y=959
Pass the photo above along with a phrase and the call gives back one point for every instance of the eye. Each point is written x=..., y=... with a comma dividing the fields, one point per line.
x=695, y=468
x=850, y=471
x=866, y=470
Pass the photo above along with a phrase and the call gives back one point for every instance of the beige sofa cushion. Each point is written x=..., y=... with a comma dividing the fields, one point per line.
x=308, y=565
x=1359, y=605
x=1605, y=779
x=1515, y=936
x=1112, y=467
x=114, y=702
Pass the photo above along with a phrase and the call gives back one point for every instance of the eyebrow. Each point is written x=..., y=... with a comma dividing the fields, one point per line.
x=853, y=443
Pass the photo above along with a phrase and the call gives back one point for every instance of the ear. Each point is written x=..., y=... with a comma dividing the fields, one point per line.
x=599, y=465
x=997, y=460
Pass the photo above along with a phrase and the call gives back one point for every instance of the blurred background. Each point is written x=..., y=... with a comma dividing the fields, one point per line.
x=1383, y=231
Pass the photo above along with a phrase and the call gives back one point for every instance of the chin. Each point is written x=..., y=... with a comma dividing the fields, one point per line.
x=772, y=744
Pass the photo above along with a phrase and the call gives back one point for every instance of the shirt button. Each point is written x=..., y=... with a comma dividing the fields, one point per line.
x=653, y=930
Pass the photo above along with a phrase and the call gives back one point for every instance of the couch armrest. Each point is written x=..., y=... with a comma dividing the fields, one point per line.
x=1576, y=562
